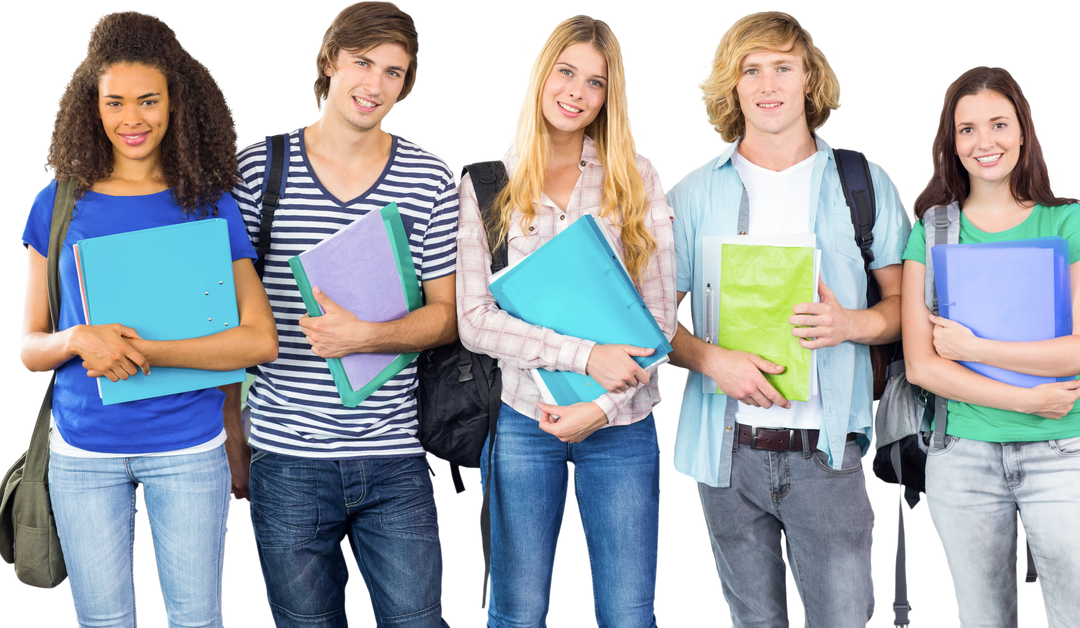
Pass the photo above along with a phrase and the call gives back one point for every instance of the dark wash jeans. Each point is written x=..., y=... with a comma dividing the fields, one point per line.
x=301, y=509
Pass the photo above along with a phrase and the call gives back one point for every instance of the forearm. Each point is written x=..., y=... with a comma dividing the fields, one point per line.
x=44, y=351
x=227, y=350
x=877, y=325
x=689, y=351
x=959, y=383
x=432, y=325
x=1056, y=357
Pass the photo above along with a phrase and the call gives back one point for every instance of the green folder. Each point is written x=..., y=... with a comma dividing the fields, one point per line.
x=759, y=286
x=366, y=268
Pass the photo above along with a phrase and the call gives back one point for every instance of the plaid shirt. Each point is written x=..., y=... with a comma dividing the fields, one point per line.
x=519, y=346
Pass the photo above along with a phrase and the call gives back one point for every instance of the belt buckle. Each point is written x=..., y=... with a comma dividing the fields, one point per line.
x=754, y=437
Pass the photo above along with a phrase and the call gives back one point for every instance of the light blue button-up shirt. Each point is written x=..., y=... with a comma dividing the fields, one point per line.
x=706, y=202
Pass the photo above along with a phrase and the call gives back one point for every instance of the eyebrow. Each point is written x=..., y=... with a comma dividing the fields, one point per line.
x=994, y=119
x=151, y=94
x=572, y=67
x=389, y=67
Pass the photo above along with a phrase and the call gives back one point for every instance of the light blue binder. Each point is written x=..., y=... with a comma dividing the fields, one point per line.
x=166, y=283
x=1016, y=290
x=576, y=285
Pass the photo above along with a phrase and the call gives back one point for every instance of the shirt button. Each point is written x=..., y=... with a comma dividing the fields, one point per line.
x=728, y=428
x=563, y=217
x=532, y=228
x=583, y=163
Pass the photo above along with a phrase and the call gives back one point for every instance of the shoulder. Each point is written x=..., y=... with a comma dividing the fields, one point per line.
x=417, y=162
x=45, y=198
x=251, y=157
x=696, y=185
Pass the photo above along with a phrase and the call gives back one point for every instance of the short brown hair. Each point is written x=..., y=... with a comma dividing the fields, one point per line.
x=361, y=27
x=774, y=32
x=1030, y=179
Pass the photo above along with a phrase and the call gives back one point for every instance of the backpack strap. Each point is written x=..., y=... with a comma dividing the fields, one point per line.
x=488, y=179
x=273, y=190
x=858, y=188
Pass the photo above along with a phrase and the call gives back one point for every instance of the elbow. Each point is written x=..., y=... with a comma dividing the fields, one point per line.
x=916, y=373
x=268, y=348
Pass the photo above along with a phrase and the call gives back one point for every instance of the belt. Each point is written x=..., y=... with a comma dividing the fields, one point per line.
x=778, y=440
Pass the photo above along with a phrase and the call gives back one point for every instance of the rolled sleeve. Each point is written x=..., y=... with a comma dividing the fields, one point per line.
x=891, y=227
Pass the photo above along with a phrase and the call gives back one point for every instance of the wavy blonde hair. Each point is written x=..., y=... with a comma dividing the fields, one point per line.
x=773, y=32
x=624, y=201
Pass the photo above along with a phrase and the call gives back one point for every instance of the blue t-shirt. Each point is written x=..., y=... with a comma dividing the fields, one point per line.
x=147, y=426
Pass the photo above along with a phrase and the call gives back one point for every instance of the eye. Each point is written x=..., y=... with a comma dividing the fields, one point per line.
x=597, y=83
x=783, y=69
x=965, y=130
x=1000, y=125
x=393, y=73
x=566, y=72
x=751, y=72
x=149, y=103
x=361, y=63
x=112, y=104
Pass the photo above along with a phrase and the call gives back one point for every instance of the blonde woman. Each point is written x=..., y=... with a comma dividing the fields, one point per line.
x=573, y=156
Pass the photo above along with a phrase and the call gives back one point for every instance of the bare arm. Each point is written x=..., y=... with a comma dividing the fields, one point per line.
x=1057, y=357
x=236, y=447
x=338, y=332
x=827, y=323
x=944, y=377
x=737, y=373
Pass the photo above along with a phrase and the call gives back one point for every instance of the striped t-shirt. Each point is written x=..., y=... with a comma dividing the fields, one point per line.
x=295, y=407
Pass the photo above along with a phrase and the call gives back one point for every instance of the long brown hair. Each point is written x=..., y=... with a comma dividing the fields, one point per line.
x=198, y=152
x=1029, y=180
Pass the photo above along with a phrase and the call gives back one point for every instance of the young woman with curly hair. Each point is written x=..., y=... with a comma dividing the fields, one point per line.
x=1007, y=450
x=146, y=133
x=573, y=155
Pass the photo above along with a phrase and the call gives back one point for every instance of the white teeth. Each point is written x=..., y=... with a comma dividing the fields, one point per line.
x=769, y=105
x=363, y=102
x=989, y=159
x=569, y=108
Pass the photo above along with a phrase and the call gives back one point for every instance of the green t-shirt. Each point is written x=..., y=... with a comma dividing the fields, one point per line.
x=977, y=422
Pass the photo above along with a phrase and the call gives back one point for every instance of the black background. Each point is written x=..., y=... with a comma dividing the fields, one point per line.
x=894, y=64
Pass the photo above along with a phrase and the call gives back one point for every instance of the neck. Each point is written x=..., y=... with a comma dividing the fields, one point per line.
x=344, y=143
x=565, y=148
x=778, y=151
x=992, y=197
x=136, y=171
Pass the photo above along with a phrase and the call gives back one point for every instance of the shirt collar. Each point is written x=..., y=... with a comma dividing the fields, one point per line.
x=588, y=152
x=725, y=158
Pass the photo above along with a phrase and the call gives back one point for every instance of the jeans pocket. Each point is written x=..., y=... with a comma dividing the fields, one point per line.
x=284, y=501
x=417, y=523
x=1066, y=447
x=950, y=442
x=852, y=460
x=257, y=454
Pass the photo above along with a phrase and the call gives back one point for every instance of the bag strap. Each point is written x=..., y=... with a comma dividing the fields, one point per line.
x=37, y=455
x=858, y=188
x=488, y=179
x=273, y=190
x=901, y=607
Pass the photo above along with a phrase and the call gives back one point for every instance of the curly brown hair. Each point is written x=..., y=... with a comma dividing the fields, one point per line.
x=198, y=152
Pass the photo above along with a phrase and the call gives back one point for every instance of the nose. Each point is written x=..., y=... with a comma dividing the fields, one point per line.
x=576, y=88
x=768, y=82
x=132, y=116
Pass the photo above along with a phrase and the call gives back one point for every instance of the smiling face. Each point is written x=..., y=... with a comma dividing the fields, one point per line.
x=575, y=90
x=133, y=103
x=988, y=137
x=772, y=93
x=365, y=85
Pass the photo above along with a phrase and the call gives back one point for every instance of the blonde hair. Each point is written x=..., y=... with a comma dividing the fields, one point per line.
x=624, y=201
x=773, y=32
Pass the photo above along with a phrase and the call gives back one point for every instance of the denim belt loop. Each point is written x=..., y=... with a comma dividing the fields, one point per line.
x=806, y=452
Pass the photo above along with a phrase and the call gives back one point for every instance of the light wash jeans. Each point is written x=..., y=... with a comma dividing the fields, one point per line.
x=826, y=517
x=617, y=480
x=974, y=490
x=187, y=501
x=302, y=508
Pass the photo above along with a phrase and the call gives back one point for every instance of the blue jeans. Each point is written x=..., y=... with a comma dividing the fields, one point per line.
x=826, y=518
x=187, y=501
x=974, y=490
x=617, y=480
x=301, y=509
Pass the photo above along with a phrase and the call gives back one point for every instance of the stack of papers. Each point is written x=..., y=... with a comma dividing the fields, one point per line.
x=576, y=285
x=179, y=286
x=1014, y=291
x=366, y=268
x=752, y=283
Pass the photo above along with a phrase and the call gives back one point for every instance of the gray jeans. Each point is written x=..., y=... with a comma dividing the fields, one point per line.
x=826, y=518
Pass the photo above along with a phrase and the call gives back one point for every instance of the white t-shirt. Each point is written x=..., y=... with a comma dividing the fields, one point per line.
x=780, y=204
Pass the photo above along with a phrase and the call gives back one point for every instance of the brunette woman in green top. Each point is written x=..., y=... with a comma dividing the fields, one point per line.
x=1008, y=449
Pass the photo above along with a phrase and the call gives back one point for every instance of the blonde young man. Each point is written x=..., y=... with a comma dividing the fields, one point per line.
x=319, y=471
x=766, y=464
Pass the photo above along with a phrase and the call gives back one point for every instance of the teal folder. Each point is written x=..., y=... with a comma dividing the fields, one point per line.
x=366, y=268
x=166, y=283
x=576, y=285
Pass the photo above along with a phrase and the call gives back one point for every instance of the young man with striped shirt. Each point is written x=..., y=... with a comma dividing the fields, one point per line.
x=320, y=472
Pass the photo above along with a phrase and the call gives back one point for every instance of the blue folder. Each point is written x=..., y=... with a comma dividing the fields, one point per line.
x=576, y=285
x=174, y=282
x=1016, y=291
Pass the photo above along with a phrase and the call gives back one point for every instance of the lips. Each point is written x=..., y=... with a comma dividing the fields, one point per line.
x=569, y=110
x=989, y=160
x=769, y=105
x=365, y=105
x=134, y=139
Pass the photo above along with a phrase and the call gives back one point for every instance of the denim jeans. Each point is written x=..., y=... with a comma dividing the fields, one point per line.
x=974, y=490
x=826, y=518
x=187, y=501
x=617, y=480
x=302, y=508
